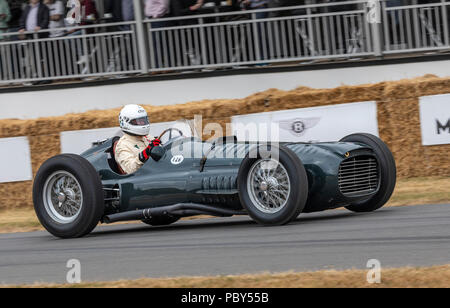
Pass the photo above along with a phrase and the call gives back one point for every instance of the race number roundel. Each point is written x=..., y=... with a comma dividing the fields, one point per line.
x=177, y=159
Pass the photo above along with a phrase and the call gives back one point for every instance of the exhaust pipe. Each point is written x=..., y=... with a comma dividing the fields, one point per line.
x=181, y=210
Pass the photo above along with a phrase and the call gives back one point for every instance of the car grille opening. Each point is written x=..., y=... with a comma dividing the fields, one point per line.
x=359, y=176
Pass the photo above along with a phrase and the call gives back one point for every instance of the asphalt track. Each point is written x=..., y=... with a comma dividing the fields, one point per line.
x=398, y=236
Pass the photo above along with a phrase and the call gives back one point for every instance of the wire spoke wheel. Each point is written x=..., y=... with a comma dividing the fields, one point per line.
x=63, y=197
x=68, y=196
x=269, y=185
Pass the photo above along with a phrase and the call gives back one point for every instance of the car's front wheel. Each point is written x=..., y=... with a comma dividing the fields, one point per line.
x=68, y=196
x=273, y=190
x=387, y=169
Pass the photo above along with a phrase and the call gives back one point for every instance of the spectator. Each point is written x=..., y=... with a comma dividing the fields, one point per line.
x=343, y=7
x=157, y=8
x=14, y=22
x=113, y=10
x=34, y=17
x=281, y=3
x=88, y=15
x=5, y=16
x=56, y=9
x=391, y=3
x=256, y=5
x=185, y=7
x=120, y=10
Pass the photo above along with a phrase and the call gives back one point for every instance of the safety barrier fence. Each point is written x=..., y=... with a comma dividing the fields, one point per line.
x=349, y=29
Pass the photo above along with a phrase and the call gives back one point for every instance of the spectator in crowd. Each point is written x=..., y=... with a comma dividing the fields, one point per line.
x=5, y=16
x=120, y=10
x=14, y=22
x=89, y=14
x=35, y=17
x=343, y=7
x=185, y=7
x=56, y=9
x=255, y=5
x=157, y=9
x=283, y=3
x=390, y=3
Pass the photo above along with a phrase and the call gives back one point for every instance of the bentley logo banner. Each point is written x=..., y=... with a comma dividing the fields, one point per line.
x=299, y=126
x=435, y=119
x=308, y=124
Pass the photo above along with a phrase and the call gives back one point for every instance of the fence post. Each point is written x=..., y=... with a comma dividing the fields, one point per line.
x=445, y=23
x=377, y=43
x=374, y=17
x=138, y=16
x=311, y=35
x=203, y=41
x=37, y=50
x=85, y=55
x=256, y=26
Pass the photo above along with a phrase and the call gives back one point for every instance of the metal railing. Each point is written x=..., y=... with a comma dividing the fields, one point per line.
x=34, y=56
x=297, y=34
x=233, y=39
x=415, y=28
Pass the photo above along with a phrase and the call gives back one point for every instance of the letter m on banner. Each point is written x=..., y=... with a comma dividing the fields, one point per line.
x=442, y=128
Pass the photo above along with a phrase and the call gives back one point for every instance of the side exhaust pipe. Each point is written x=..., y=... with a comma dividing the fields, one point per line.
x=181, y=210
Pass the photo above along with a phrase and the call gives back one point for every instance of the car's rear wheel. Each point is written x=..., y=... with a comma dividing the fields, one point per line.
x=273, y=191
x=68, y=196
x=387, y=169
x=161, y=221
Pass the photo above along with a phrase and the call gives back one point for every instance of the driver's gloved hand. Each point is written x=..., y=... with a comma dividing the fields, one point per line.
x=156, y=142
x=145, y=155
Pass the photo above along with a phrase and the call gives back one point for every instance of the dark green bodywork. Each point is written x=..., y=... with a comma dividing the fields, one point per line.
x=163, y=183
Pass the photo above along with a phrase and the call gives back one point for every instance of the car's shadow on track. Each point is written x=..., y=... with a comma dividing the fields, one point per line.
x=338, y=214
x=236, y=222
x=194, y=224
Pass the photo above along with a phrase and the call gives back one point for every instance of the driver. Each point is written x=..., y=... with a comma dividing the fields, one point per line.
x=133, y=149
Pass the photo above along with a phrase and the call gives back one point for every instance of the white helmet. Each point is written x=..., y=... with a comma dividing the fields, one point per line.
x=133, y=119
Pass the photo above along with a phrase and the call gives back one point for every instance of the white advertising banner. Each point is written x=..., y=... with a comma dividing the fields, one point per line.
x=15, y=160
x=317, y=124
x=435, y=119
x=76, y=142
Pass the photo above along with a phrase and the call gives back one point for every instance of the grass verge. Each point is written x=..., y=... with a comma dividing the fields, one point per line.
x=19, y=220
x=414, y=191
x=407, y=277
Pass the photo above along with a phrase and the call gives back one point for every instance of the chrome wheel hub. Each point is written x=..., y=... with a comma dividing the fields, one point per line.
x=63, y=197
x=264, y=186
x=268, y=185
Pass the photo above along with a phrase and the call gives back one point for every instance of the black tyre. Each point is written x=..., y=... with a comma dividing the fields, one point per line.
x=161, y=221
x=68, y=196
x=274, y=192
x=388, y=173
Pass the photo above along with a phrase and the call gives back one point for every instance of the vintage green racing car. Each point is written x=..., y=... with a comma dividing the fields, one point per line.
x=272, y=183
